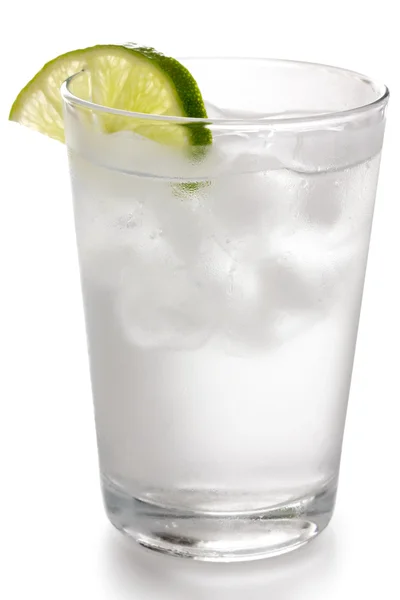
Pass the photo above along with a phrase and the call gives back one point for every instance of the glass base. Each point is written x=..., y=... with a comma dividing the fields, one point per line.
x=220, y=537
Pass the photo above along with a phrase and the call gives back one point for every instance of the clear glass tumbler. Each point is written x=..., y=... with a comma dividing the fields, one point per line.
x=222, y=289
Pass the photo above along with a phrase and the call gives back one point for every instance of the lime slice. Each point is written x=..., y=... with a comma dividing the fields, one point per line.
x=128, y=77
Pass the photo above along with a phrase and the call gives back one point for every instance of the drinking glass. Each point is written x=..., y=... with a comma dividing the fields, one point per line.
x=222, y=287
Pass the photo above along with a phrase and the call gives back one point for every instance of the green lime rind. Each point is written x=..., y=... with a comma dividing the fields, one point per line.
x=128, y=77
x=189, y=95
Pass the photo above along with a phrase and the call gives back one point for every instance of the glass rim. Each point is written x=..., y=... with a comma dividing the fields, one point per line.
x=269, y=120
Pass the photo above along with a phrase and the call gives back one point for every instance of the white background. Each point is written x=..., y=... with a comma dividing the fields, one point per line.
x=54, y=537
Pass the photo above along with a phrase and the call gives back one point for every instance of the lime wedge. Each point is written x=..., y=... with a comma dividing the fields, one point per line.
x=128, y=77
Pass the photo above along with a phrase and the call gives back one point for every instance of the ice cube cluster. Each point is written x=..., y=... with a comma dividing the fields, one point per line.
x=247, y=256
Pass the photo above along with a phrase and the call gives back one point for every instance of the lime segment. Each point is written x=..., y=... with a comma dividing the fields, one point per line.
x=129, y=78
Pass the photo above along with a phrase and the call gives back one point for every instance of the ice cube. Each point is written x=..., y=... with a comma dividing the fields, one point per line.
x=213, y=266
x=278, y=297
x=165, y=306
x=247, y=151
x=176, y=305
x=318, y=198
x=251, y=210
x=305, y=280
x=114, y=230
x=304, y=271
x=340, y=203
x=340, y=146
